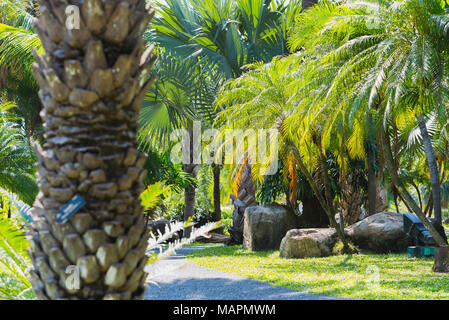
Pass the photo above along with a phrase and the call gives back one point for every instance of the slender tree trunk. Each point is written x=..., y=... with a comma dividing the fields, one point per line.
x=395, y=196
x=428, y=210
x=372, y=186
x=217, y=201
x=329, y=210
x=402, y=191
x=372, y=179
x=192, y=170
x=433, y=169
x=189, y=202
x=419, y=195
x=326, y=182
x=404, y=201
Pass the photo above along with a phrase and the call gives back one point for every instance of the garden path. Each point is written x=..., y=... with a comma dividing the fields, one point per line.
x=175, y=278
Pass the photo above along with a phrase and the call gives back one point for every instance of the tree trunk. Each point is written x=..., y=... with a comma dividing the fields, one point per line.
x=372, y=184
x=371, y=160
x=244, y=197
x=325, y=179
x=441, y=259
x=189, y=197
x=433, y=170
x=428, y=209
x=406, y=197
x=93, y=79
x=329, y=210
x=217, y=201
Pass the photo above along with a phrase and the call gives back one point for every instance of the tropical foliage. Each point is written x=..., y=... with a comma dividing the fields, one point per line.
x=356, y=92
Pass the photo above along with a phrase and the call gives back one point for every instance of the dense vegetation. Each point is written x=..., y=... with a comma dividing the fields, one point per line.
x=357, y=91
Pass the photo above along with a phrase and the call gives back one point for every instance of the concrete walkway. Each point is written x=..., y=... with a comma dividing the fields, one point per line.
x=177, y=279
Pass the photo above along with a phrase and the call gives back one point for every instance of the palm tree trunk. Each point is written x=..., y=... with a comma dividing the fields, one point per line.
x=407, y=198
x=433, y=169
x=189, y=199
x=329, y=210
x=395, y=196
x=93, y=80
x=372, y=185
x=217, y=201
x=244, y=197
x=371, y=160
x=419, y=194
x=326, y=182
x=428, y=210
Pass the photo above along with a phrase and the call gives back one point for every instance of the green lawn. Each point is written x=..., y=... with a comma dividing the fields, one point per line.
x=368, y=276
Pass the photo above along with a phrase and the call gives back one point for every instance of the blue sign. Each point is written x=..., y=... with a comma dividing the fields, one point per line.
x=70, y=208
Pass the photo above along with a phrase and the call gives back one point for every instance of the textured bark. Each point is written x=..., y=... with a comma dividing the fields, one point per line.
x=217, y=201
x=189, y=196
x=441, y=260
x=93, y=81
x=246, y=197
x=372, y=185
x=405, y=195
x=433, y=170
x=351, y=201
x=330, y=212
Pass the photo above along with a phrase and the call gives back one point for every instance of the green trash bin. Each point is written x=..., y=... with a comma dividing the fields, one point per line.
x=428, y=251
x=413, y=252
x=419, y=251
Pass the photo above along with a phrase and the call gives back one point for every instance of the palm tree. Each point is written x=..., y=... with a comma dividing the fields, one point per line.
x=224, y=35
x=180, y=96
x=265, y=97
x=383, y=70
x=17, y=84
x=93, y=80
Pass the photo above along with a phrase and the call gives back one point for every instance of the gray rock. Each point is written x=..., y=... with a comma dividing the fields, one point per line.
x=308, y=243
x=381, y=233
x=265, y=226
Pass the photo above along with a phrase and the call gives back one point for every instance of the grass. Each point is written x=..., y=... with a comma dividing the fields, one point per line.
x=367, y=276
x=202, y=244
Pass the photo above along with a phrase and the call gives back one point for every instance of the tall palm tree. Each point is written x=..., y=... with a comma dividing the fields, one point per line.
x=224, y=35
x=181, y=96
x=93, y=80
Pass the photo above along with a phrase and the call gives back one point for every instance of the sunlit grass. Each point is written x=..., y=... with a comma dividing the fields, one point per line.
x=367, y=276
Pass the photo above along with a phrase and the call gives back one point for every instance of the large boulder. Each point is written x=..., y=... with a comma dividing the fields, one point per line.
x=265, y=226
x=308, y=243
x=380, y=233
